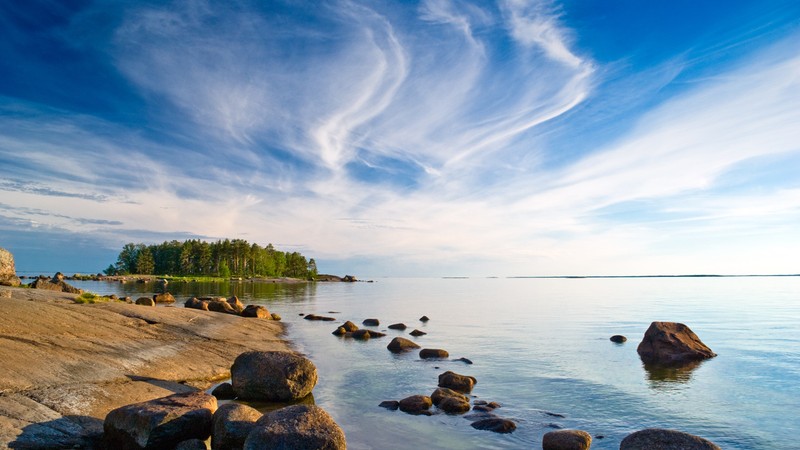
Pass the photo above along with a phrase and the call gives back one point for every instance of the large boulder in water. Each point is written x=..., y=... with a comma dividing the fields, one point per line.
x=165, y=297
x=8, y=273
x=416, y=404
x=672, y=343
x=273, y=376
x=495, y=424
x=400, y=344
x=456, y=382
x=660, y=439
x=567, y=440
x=257, y=311
x=297, y=427
x=233, y=422
x=160, y=423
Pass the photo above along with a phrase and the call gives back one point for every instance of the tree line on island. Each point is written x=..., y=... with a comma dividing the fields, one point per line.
x=224, y=258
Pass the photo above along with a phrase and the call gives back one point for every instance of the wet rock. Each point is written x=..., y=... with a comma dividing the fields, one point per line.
x=400, y=344
x=454, y=405
x=456, y=382
x=464, y=360
x=618, y=338
x=430, y=353
x=8, y=272
x=424, y=319
x=160, y=423
x=192, y=444
x=296, y=427
x=316, y=317
x=273, y=376
x=397, y=326
x=371, y=322
x=671, y=343
x=224, y=392
x=196, y=303
x=480, y=415
x=145, y=301
x=339, y=331
x=390, y=404
x=349, y=326
x=361, y=335
x=165, y=297
x=275, y=316
x=567, y=440
x=661, y=439
x=442, y=393
x=221, y=305
x=256, y=311
x=417, y=333
x=495, y=424
x=56, y=284
x=233, y=422
x=373, y=333
x=415, y=404
x=482, y=408
x=236, y=304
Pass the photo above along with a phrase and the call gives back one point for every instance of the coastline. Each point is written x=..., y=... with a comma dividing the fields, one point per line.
x=66, y=365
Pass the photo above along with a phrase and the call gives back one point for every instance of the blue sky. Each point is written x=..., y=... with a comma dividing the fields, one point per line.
x=437, y=137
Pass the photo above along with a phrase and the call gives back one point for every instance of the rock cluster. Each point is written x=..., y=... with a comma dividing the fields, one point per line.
x=56, y=283
x=231, y=305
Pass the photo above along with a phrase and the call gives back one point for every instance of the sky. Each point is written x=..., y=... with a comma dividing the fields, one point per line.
x=413, y=138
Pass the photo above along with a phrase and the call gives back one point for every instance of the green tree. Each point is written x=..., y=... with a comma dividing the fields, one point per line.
x=224, y=271
x=145, y=262
x=126, y=261
x=312, y=269
x=110, y=270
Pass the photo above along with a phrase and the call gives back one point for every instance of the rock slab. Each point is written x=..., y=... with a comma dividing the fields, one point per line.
x=160, y=423
x=661, y=439
x=273, y=376
x=297, y=427
x=672, y=343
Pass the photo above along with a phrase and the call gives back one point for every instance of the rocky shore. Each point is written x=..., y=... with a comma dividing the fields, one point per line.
x=66, y=365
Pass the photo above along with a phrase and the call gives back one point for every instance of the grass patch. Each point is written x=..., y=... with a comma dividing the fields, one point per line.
x=91, y=298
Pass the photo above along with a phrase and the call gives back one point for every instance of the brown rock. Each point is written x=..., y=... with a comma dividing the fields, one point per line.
x=8, y=273
x=166, y=297
x=160, y=423
x=660, y=439
x=224, y=392
x=316, y=317
x=456, y=382
x=441, y=393
x=397, y=326
x=273, y=376
x=54, y=284
x=256, y=311
x=220, y=305
x=495, y=424
x=192, y=444
x=361, y=335
x=275, y=316
x=236, y=304
x=296, y=427
x=232, y=423
x=454, y=405
x=415, y=404
x=671, y=343
x=349, y=326
x=417, y=333
x=390, y=404
x=145, y=301
x=428, y=353
x=339, y=331
x=371, y=322
x=567, y=440
x=400, y=344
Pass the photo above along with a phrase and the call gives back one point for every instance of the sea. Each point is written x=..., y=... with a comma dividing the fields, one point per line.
x=540, y=347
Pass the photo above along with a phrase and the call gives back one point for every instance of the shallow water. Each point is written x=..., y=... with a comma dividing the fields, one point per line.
x=541, y=346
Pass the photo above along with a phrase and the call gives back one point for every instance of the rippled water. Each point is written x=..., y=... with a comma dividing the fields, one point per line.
x=540, y=347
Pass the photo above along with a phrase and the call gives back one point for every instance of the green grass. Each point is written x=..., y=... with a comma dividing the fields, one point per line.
x=91, y=298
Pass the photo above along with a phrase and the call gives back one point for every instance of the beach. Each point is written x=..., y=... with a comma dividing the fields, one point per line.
x=66, y=365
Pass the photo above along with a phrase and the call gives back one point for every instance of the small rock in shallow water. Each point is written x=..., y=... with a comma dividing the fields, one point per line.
x=397, y=326
x=429, y=353
x=424, y=319
x=454, y=405
x=390, y=404
x=296, y=427
x=417, y=333
x=567, y=440
x=441, y=393
x=618, y=338
x=349, y=326
x=339, y=331
x=400, y=344
x=361, y=335
x=495, y=424
x=464, y=360
x=415, y=404
x=456, y=382
x=660, y=439
x=371, y=322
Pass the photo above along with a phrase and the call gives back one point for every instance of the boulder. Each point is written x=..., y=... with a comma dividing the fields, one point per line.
x=424, y=319
x=671, y=343
x=416, y=404
x=166, y=297
x=236, y=304
x=417, y=333
x=339, y=331
x=361, y=335
x=232, y=423
x=145, y=301
x=316, y=317
x=371, y=322
x=220, y=305
x=390, y=404
x=297, y=427
x=456, y=382
x=224, y=392
x=372, y=333
x=349, y=279
x=272, y=376
x=454, y=405
x=400, y=344
x=196, y=303
x=428, y=353
x=192, y=444
x=496, y=424
x=660, y=439
x=442, y=393
x=160, y=423
x=274, y=316
x=257, y=311
x=397, y=326
x=618, y=338
x=8, y=273
x=567, y=440
x=349, y=326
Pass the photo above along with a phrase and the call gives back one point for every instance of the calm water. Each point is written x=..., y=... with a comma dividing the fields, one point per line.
x=541, y=345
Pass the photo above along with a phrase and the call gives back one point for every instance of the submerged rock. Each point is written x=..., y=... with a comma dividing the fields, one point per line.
x=400, y=344
x=464, y=360
x=417, y=333
x=495, y=424
x=456, y=382
x=361, y=335
x=316, y=317
x=424, y=319
x=672, y=343
x=160, y=423
x=371, y=322
x=390, y=404
x=273, y=376
x=430, y=353
x=397, y=326
x=618, y=338
x=567, y=440
x=297, y=427
x=661, y=439
x=416, y=404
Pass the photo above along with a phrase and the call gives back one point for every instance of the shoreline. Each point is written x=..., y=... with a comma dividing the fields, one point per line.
x=66, y=365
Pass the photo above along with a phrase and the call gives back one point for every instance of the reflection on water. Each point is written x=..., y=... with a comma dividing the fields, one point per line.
x=665, y=377
x=183, y=290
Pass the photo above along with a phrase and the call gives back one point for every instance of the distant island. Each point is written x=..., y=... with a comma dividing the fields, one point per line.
x=224, y=258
